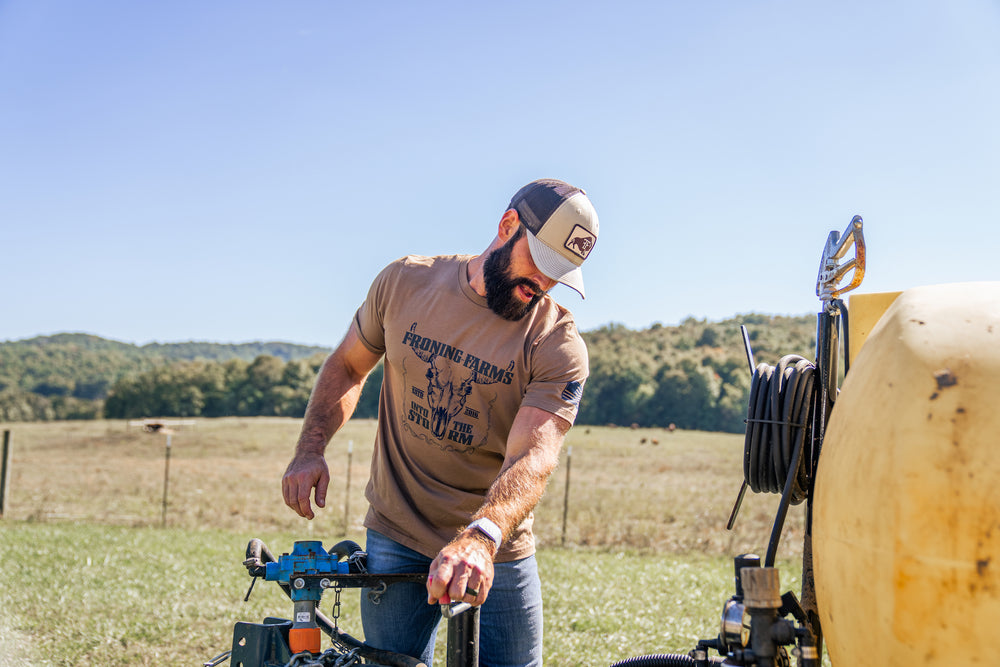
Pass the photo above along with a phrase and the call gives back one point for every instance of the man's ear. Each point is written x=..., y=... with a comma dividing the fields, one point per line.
x=509, y=223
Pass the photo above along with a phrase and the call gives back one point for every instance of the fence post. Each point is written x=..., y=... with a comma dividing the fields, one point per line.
x=4, y=471
x=569, y=462
x=166, y=479
x=347, y=487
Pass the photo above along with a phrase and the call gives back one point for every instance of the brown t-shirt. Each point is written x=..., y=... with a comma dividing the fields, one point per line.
x=455, y=376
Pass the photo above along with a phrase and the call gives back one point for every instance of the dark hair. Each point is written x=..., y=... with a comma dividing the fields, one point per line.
x=518, y=234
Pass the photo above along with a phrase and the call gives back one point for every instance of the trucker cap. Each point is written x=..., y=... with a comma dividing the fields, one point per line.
x=562, y=228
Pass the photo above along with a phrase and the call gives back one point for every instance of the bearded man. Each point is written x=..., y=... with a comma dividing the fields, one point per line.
x=483, y=374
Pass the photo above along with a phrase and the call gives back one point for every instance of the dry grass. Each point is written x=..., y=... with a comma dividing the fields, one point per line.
x=644, y=490
x=645, y=568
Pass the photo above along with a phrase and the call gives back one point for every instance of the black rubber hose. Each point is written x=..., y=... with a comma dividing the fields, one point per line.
x=376, y=655
x=779, y=415
x=662, y=660
x=258, y=555
x=846, y=331
x=777, y=421
x=257, y=550
x=344, y=549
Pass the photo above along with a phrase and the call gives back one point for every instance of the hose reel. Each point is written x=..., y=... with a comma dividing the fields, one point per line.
x=779, y=414
x=789, y=403
x=779, y=418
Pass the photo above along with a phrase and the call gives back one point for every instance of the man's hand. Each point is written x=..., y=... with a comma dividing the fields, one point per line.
x=462, y=572
x=305, y=473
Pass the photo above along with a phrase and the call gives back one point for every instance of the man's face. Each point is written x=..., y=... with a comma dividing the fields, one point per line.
x=509, y=295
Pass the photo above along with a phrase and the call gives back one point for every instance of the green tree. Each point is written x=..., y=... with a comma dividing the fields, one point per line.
x=367, y=407
x=684, y=397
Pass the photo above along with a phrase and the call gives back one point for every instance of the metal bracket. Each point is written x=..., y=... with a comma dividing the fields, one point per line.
x=831, y=272
x=262, y=644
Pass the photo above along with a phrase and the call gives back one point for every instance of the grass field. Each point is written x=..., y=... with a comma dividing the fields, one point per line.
x=91, y=577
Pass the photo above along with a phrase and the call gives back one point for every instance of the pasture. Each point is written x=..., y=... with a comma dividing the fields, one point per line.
x=91, y=576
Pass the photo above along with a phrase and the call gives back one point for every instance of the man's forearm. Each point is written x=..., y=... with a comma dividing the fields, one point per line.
x=331, y=404
x=517, y=490
x=463, y=569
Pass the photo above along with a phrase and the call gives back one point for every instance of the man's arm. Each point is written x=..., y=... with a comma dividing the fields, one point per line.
x=532, y=454
x=333, y=399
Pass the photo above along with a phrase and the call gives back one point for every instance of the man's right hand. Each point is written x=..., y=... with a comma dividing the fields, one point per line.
x=305, y=473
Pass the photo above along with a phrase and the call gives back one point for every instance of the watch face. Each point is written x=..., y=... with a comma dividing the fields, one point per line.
x=745, y=630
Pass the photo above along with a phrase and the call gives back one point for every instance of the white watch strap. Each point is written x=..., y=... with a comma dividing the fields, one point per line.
x=489, y=529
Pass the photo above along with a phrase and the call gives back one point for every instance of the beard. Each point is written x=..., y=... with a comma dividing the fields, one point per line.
x=500, y=285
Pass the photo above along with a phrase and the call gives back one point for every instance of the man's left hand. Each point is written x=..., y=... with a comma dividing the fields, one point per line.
x=462, y=572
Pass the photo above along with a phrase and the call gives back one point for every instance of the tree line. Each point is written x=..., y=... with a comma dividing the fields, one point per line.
x=70, y=375
x=694, y=375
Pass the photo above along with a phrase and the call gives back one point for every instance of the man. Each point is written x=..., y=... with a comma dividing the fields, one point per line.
x=483, y=376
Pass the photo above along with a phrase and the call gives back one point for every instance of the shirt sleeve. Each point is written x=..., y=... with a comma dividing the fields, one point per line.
x=369, y=322
x=559, y=369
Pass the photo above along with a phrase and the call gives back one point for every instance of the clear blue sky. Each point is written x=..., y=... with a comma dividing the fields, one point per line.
x=235, y=171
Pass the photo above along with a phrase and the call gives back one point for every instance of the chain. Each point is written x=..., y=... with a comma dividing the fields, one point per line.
x=347, y=659
x=336, y=606
x=303, y=659
x=329, y=658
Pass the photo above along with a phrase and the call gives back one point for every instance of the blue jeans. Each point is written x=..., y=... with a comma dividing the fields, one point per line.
x=510, y=621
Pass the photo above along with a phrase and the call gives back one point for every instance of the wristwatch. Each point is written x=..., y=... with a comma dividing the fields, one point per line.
x=490, y=530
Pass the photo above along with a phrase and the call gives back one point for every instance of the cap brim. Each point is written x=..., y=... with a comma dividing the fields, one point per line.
x=554, y=265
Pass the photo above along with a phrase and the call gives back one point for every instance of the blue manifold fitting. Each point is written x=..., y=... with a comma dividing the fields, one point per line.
x=306, y=570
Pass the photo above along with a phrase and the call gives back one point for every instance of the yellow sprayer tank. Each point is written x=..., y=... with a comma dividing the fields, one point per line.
x=906, y=530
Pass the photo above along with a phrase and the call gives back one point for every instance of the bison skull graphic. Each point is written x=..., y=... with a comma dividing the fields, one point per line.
x=446, y=389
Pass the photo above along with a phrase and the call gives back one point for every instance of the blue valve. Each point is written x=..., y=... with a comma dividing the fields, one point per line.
x=306, y=570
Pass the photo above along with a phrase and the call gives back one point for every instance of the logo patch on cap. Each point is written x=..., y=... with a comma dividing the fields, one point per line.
x=580, y=241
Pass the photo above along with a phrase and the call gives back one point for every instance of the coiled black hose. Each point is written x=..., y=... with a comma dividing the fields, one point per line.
x=780, y=406
x=782, y=399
